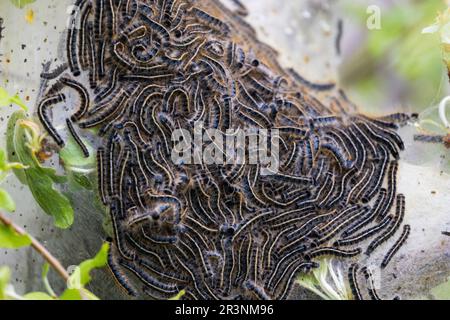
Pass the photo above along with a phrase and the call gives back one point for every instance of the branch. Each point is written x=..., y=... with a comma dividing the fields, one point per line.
x=52, y=261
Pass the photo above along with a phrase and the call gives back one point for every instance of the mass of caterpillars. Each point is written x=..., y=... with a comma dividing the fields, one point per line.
x=142, y=69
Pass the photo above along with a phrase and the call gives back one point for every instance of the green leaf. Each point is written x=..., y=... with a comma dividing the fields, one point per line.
x=81, y=275
x=73, y=157
x=6, y=202
x=99, y=261
x=26, y=138
x=53, y=202
x=37, y=296
x=87, y=295
x=21, y=3
x=71, y=294
x=51, y=173
x=10, y=144
x=78, y=294
x=5, y=165
x=10, y=239
x=5, y=275
x=442, y=291
x=78, y=180
x=6, y=99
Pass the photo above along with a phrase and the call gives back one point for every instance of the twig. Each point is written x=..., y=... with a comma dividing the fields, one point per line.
x=52, y=261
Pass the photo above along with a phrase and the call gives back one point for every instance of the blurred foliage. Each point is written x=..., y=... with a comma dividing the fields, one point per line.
x=75, y=290
x=442, y=28
x=397, y=63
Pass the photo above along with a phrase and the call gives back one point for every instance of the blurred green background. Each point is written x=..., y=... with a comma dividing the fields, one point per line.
x=395, y=67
